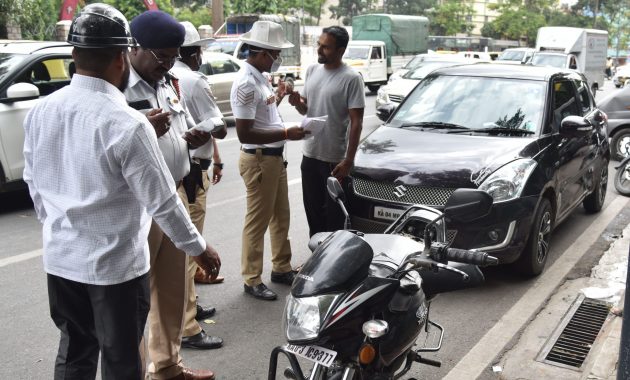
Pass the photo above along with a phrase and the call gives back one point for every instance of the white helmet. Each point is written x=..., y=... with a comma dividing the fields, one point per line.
x=192, y=36
x=266, y=35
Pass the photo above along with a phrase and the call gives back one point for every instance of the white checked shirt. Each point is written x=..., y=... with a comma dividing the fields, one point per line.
x=95, y=174
x=252, y=97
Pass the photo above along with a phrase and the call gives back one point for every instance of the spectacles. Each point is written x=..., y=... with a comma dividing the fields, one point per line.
x=162, y=61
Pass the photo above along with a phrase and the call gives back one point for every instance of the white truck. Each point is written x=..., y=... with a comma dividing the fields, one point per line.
x=583, y=50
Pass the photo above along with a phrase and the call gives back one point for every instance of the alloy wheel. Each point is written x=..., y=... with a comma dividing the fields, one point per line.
x=603, y=184
x=543, y=237
x=623, y=146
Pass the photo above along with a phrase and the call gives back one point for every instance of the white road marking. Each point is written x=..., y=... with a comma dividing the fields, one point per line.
x=20, y=257
x=511, y=323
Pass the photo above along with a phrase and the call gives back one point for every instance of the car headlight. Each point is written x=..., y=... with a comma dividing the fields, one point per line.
x=508, y=182
x=303, y=317
x=382, y=96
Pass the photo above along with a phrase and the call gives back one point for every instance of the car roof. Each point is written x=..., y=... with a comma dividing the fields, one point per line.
x=492, y=70
x=215, y=54
x=31, y=47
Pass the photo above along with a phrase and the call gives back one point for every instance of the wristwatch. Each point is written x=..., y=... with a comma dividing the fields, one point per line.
x=219, y=164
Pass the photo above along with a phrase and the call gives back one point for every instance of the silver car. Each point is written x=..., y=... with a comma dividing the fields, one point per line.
x=221, y=70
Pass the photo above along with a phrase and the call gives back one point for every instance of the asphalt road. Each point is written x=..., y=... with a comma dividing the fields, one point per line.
x=250, y=328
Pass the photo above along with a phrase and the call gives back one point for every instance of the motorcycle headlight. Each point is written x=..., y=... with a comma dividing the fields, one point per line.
x=303, y=317
x=382, y=96
x=508, y=182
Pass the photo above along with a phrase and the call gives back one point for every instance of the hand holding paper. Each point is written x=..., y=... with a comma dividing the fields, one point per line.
x=314, y=124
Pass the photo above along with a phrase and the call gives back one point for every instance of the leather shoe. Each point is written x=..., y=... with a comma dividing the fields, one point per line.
x=204, y=312
x=202, y=341
x=261, y=291
x=194, y=374
x=285, y=278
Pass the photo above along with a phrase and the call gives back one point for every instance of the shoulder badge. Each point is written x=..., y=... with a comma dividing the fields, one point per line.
x=245, y=94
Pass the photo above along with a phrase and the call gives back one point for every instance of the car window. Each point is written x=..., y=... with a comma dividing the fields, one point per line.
x=219, y=66
x=584, y=100
x=8, y=62
x=48, y=75
x=564, y=103
x=376, y=53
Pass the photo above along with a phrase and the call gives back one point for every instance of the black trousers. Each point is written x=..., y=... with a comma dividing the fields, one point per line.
x=322, y=213
x=94, y=318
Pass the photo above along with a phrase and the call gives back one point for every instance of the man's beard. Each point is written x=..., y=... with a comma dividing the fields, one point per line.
x=322, y=59
x=125, y=76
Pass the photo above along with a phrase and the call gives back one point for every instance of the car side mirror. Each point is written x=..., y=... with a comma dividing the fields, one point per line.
x=466, y=205
x=334, y=188
x=385, y=111
x=20, y=92
x=575, y=125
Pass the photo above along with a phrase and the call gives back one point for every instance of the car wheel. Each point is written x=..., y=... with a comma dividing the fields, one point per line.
x=534, y=256
x=620, y=144
x=373, y=87
x=622, y=180
x=595, y=200
x=618, y=85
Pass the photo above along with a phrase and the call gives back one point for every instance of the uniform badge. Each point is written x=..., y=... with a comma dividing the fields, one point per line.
x=245, y=95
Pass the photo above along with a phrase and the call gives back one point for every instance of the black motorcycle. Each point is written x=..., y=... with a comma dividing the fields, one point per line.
x=359, y=304
x=622, y=177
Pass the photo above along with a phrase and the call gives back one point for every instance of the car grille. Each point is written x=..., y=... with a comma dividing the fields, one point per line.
x=396, y=98
x=386, y=191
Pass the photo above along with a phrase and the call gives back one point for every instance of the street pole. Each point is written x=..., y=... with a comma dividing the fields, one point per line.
x=623, y=371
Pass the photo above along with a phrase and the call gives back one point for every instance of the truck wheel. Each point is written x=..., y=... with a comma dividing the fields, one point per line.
x=534, y=256
x=595, y=200
x=373, y=87
x=620, y=144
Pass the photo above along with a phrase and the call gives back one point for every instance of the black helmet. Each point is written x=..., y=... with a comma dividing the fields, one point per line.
x=100, y=26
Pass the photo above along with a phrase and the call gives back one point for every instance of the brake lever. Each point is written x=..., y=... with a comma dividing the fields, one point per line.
x=430, y=264
x=465, y=277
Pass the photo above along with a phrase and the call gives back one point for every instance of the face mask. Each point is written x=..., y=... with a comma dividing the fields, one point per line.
x=276, y=63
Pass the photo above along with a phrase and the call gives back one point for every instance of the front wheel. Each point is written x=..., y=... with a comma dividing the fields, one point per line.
x=620, y=144
x=622, y=179
x=534, y=256
x=595, y=200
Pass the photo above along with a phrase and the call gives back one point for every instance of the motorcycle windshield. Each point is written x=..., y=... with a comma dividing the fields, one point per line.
x=338, y=264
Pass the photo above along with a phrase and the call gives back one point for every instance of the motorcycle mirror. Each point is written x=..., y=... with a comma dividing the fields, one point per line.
x=334, y=188
x=466, y=205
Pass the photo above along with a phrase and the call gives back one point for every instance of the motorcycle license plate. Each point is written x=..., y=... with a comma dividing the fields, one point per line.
x=387, y=213
x=316, y=354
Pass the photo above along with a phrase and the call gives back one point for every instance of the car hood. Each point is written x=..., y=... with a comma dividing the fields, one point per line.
x=617, y=105
x=401, y=86
x=436, y=159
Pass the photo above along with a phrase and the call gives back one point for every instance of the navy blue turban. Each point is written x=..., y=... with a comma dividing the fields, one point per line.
x=157, y=30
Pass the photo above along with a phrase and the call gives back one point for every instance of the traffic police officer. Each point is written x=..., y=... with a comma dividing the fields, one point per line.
x=156, y=91
x=261, y=165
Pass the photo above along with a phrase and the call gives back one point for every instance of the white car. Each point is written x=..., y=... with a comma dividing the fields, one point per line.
x=29, y=70
x=515, y=56
x=622, y=76
x=221, y=70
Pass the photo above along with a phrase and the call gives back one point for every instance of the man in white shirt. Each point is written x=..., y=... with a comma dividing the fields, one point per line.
x=156, y=91
x=96, y=176
x=263, y=135
x=202, y=107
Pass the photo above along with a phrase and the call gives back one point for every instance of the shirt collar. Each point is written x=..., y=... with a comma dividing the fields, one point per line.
x=98, y=84
x=257, y=74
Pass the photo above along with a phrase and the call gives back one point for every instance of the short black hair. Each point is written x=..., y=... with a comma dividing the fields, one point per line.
x=340, y=34
x=187, y=51
x=96, y=59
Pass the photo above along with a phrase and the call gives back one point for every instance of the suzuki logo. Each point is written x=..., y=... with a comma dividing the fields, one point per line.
x=400, y=191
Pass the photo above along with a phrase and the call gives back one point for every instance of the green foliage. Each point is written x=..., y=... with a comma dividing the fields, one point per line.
x=132, y=8
x=518, y=19
x=450, y=18
x=196, y=13
x=37, y=18
x=346, y=9
x=409, y=7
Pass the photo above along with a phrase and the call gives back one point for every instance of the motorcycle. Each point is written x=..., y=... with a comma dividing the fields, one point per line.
x=622, y=177
x=359, y=304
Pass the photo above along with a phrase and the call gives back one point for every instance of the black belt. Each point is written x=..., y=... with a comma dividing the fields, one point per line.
x=266, y=151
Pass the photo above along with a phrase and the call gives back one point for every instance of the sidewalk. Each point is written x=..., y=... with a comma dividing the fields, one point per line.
x=607, y=283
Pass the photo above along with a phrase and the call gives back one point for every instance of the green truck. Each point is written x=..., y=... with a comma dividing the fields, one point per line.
x=383, y=43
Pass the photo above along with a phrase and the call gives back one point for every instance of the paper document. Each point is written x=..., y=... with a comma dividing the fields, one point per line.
x=314, y=124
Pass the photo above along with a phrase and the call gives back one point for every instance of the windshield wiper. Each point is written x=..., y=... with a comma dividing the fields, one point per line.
x=435, y=125
x=499, y=130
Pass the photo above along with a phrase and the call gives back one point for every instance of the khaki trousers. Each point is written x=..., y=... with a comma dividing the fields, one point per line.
x=169, y=288
x=198, y=215
x=265, y=178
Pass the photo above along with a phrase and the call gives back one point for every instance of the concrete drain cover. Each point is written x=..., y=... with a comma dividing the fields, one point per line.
x=572, y=340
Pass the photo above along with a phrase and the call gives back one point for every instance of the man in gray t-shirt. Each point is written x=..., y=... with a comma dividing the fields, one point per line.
x=335, y=90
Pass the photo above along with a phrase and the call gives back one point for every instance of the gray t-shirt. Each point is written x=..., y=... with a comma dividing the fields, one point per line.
x=332, y=93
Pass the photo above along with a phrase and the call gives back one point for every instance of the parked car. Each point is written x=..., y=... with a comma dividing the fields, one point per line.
x=532, y=137
x=221, y=70
x=515, y=55
x=615, y=106
x=395, y=92
x=29, y=70
x=412, y=64
x=622, y=75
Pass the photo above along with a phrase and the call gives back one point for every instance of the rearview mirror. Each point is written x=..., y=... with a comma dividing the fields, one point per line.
x=334, y=188
x=575, y=125
x=21, y=91
x=385, y=111
x=466, y=205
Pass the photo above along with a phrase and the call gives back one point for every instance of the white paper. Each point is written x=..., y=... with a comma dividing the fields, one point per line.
x=210, y=125
x=314, y=124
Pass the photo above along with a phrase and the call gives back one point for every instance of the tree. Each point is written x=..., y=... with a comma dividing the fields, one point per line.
x=132, y=8
x=36, y=18
x=452, y=17
x=409, y=7
x=518, y=19
x=349, y=8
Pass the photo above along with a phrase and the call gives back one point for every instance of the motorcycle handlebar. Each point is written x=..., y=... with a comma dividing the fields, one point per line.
x=471, y=257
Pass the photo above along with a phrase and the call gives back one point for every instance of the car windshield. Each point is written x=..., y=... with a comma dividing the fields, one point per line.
x=414, y=63
x=422, y=71
x=549, y=60
x=226, y=47
x=511, y=55
x=356, y=52
x=8, y=62
x=485, y=105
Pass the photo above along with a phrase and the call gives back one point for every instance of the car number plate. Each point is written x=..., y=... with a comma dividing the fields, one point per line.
x=316, y=354
x=387, y=213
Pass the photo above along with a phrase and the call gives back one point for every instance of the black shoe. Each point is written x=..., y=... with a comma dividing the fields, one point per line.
x=203, y=313
x=202, y=341
x=285, y=278
x=260, y=291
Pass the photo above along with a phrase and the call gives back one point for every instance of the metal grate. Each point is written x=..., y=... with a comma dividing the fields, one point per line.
x=405, y=194
x=574, y=337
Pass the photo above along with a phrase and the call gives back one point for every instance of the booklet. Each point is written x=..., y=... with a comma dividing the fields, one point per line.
x=314, y=124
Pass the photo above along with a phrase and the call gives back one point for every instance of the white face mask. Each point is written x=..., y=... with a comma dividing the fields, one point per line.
x=276, y=63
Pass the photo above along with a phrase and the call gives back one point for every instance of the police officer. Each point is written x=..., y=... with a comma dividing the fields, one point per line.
x=200, y=102
x=95, y=208
x=155, y=90
x=261, y=165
